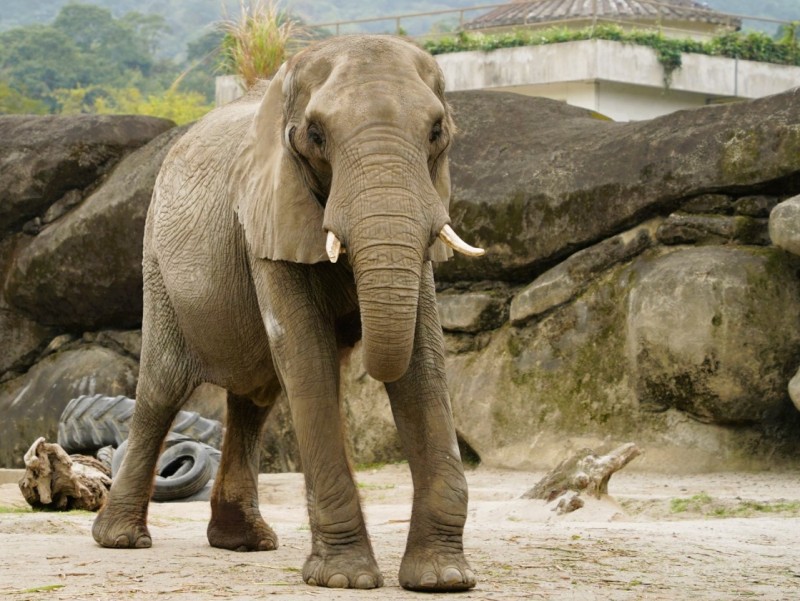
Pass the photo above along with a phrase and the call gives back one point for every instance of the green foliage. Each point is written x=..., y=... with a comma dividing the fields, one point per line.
x=14, y=509
x=705, y=505
x=255, y=45
x=43, y=589
x=89, y=61
x=203, y=63
x=180, y=107
x=754, y=46
x=38, y=59
x=695, y=503
x=14, y=102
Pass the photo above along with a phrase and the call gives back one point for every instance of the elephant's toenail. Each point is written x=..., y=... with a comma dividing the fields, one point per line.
x=144, y=542
x=452, y=576
x=428, y=579
x=311, y=581
x=122, y=541
x=469, y=577
x=338, y=581
x=365, y=581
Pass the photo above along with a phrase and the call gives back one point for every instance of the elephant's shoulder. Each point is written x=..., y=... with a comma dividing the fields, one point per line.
x=216, y=136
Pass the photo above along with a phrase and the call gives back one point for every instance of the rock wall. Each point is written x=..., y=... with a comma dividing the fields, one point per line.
x=640, y=283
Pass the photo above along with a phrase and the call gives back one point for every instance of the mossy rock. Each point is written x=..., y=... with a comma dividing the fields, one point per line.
x=715, y=332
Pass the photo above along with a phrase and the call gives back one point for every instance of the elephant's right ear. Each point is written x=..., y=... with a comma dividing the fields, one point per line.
x=281, y=218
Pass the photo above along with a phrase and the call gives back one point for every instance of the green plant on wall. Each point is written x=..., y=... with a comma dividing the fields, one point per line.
x=754, y=46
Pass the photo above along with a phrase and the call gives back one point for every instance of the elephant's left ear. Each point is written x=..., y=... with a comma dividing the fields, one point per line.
x=282, y=220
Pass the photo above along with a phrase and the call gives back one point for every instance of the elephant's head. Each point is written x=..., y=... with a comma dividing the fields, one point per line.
x=349, y=146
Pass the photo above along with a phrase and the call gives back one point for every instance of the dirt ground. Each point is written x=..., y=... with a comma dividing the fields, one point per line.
x=713, y=536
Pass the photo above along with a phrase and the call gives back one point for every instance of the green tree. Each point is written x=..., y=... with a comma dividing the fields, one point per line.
x=39, y=59
x=180, y=107
x=149, y=28
x=203, y=57
x=110, y=46
x=85, y=48
x=13, y=102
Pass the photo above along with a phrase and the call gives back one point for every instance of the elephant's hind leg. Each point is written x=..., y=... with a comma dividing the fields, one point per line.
x=236, y=521
x=167, y=377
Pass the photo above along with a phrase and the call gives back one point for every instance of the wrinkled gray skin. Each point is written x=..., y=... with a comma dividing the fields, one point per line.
x=350, y=136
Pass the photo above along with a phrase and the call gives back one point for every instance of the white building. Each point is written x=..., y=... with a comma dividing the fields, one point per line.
x=622, y=81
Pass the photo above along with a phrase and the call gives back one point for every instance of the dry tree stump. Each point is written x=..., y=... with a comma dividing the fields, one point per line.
x=584, y=472
x=57, y=481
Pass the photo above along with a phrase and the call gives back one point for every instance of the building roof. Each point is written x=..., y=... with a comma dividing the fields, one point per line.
x=528, y=12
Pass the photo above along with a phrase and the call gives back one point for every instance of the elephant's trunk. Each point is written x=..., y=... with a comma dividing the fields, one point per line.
x=385, y=211
x=387, y=262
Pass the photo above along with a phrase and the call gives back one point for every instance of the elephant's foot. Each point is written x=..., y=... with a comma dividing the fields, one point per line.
x=234, y=528
x=426, y=570
x=351, y=567
x=121, y=529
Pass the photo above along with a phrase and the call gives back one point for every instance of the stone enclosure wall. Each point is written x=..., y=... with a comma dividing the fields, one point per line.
x=640, y=283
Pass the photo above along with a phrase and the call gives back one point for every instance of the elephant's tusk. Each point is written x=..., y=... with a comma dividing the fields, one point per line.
x=333, y=247
x=452, y=240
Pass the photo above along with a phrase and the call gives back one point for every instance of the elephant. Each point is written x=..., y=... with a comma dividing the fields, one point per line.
x=283, y=228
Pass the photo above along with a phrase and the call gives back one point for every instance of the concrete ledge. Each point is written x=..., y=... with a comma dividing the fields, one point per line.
x=604, y=60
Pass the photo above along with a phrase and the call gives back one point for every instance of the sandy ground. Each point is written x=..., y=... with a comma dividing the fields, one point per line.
x=714, y=536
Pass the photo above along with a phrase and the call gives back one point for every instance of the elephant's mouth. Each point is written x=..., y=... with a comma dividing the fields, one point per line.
x=334, y=248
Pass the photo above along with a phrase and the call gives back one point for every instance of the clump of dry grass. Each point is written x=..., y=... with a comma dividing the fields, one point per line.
x=259, y=41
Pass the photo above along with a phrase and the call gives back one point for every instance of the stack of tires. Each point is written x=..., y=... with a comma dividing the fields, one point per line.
x=99, y=425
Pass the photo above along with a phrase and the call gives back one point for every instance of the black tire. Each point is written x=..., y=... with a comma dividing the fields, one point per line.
x=105, y=456
x=91, y=422
x=183, y=469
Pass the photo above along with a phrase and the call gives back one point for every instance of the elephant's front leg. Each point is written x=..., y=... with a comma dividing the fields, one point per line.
x=434, y=558
x=300, y=326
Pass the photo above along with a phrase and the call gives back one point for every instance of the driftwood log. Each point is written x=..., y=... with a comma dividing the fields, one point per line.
x=585, y=471
x=57, y=481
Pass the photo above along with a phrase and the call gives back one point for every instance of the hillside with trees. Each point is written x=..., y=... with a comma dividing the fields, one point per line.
x=160, y=56
x=86, y=60
x=186, y=20
x=785, y=10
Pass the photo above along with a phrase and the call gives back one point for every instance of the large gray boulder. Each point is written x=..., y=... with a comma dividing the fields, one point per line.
x=31, y=404
x=715, y=332
x=572, y=276
x=43, y=158
x=371, y=432
x=535, y=180
x=546, y=388
x=784, y=225
x=22, y=338
x=471, y=312
x=85, y=270
x=794, y=389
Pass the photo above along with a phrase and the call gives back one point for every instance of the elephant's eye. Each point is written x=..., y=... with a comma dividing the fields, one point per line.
x=316, y=135
x=436, y=132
